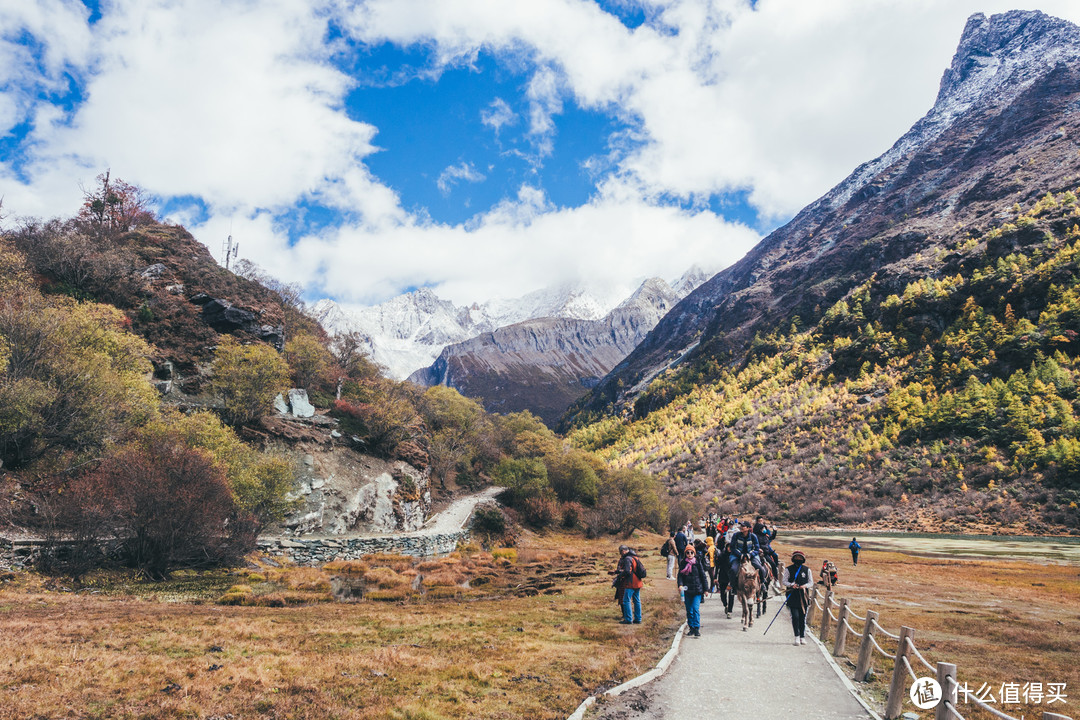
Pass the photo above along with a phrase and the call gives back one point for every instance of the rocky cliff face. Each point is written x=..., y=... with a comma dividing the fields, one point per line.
x=1004, y=126
x=544, y=365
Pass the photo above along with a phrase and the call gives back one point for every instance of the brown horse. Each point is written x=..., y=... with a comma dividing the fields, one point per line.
x=748, y=583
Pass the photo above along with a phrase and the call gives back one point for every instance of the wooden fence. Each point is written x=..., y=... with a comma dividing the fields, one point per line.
x=903, y=673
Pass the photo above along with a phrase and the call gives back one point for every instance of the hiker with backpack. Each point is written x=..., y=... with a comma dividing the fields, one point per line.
x=628, y=583
x=854, y=547
x=694, y=580
x=670, y=551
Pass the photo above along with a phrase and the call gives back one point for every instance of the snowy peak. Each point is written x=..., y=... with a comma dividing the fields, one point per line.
x=408, y=332
x=691, y=280
x=1004, y=52
x=998, y=58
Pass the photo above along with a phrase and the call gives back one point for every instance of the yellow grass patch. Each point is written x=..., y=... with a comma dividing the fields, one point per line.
x=998, y=621
x=129, y=656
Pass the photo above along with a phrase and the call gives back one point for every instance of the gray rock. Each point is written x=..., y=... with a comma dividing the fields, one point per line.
x=335, y=434
x=298, y=401
x=154, y=271
x=280, y=405
x=163, y=386
x=177, y=289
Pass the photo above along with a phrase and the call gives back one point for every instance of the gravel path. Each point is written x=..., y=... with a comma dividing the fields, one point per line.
x=457, y=513
x=728, y=673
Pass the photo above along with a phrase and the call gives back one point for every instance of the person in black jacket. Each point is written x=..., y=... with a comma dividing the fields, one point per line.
x=743, y=543
x=695, y=581
x=681, y=541
x=796, y=580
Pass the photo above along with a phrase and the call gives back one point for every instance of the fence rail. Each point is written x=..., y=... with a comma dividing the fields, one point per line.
x=945, y=673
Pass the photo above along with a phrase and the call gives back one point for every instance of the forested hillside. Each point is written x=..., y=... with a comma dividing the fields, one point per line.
x=941, y=393
x=137, y=403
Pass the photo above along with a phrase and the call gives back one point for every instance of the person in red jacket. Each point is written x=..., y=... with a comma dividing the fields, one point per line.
x=627, y=581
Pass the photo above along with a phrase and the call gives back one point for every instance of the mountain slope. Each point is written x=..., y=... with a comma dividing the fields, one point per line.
x=907, y=350
x=1003, y=126
x=545, y=364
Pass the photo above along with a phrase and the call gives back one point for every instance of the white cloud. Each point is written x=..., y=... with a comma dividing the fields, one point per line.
x=454, y=174
x=522, y=245
x=498, y=115
x=544, y=104
x=239, y=104
x=782, y=100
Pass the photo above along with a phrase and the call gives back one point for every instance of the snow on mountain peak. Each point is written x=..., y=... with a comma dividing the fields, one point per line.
x=407, y=332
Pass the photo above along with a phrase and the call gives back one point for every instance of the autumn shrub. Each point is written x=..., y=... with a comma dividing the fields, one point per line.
x=488, y=523
x=309, y=360
x=386, y=578
x=384, y=424
x=346, y=567
x=168, y=504
x=248, y=377
x=443, y=578
x=540, y=511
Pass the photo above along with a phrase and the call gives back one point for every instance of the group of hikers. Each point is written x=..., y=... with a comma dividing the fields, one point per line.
x=703, y=566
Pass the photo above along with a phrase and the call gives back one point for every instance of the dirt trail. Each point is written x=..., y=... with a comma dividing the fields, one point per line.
x=730, y=673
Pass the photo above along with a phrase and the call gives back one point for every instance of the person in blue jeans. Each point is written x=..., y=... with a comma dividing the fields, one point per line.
x=695, y=583
x=629, y=585
x=854, y=547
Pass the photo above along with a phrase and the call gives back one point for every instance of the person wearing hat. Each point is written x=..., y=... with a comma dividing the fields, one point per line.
x=797, y=581
x=694, y=579
x=744, y=543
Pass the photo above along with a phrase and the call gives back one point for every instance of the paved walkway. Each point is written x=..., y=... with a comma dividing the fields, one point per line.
x=728, y=673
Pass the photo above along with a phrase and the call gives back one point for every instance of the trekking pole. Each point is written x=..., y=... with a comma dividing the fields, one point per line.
x=782, y=606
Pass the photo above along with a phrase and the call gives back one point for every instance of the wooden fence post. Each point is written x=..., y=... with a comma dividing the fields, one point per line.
x=823, y=633
x=866, y=650
x=898, y=686
x=946, y=677
x=841, y=629
x=811, y=608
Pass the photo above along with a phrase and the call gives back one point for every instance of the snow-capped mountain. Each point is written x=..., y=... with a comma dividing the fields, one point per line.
x=408, y=332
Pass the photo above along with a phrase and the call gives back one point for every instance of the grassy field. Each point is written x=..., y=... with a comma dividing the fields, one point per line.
x=999, y=621
x=531, y=640
x=516, y=647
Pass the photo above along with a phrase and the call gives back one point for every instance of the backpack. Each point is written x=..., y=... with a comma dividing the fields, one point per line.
x=665, y=549
x=639, y=569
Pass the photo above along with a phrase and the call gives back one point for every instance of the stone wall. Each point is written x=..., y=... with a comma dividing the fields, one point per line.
x=315, y=551
x=18, y=554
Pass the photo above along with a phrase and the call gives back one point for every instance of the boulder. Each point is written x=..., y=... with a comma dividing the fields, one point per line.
x=280, y=405
x=223, y=317
x=154, y=271
x=298, y=401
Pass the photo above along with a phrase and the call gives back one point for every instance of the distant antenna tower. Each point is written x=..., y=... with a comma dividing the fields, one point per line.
x=230, y=250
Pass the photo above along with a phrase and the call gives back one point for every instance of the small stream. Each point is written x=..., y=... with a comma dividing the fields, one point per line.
x=1064, y=550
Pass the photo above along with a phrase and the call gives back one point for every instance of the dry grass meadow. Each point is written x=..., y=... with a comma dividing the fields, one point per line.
x=999, y=621
x=477, y=636
x=513, y=647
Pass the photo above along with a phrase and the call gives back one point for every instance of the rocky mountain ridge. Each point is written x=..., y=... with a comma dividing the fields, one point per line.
x=543, y=365
x=409, y=331
x=1003, y=127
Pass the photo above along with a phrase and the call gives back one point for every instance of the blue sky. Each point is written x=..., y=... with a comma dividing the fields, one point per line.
x=479, y=147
